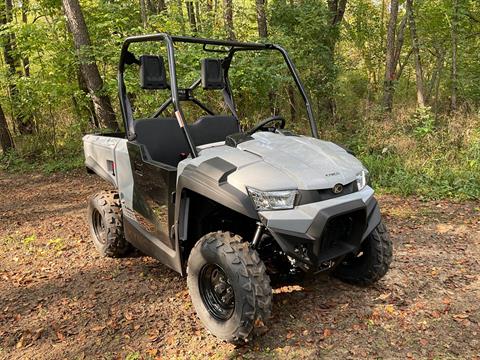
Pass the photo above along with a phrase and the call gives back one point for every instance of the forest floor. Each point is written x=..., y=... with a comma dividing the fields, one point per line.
x=60, y=299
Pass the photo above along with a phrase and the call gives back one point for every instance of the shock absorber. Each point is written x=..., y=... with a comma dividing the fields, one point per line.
x=258, y=235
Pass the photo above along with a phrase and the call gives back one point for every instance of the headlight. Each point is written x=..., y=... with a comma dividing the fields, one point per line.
x=362, y=179
x=272, y=200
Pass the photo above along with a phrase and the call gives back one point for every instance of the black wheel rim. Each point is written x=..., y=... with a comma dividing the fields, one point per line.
x=98, y=226
x=216, y=292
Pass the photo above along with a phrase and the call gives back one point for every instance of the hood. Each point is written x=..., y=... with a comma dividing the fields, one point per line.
x=310, y=163
x=278, y=162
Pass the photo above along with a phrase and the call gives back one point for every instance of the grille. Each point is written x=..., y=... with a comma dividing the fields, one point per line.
x=311, y=196
x=341, y=235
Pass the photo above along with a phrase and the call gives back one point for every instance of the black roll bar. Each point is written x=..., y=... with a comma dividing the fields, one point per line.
x=175, y=100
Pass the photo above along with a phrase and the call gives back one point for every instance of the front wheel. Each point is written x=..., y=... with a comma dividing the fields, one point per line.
x=229, y=287
x=371, y=263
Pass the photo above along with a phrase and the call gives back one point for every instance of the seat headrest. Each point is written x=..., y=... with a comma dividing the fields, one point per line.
x=152, y=72
x=212, y=74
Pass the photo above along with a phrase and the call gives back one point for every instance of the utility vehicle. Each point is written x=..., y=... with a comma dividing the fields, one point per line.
x=227, y=207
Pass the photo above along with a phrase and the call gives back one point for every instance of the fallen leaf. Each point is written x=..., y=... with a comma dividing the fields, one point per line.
x=98, y=328
x=128, y=315
x=390, y=309
x=384, y=297
x=152, y=352
x=60, y=336
x=153, y=334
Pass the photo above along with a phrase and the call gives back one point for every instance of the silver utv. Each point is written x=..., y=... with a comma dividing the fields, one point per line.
x=230, y=208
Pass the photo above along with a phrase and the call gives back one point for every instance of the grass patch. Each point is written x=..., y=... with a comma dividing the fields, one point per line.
x=29, y=240
x=15, y=162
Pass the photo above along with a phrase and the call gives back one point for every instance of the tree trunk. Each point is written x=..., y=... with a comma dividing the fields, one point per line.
x=400, y=38
x=90, y=106
x=24, y=123
x=5, y=138
x=143, y=12
x=197, y=15
x=337, y=11
x=390, y=64
x=151, y=6
x=88, y=67
x=228, y=17
x=437, y=85
x=440, y=58
x=191, y=16
x=261, y=19
x=26, y=61
x=416, y=54
x=453, y=100
x=291, y=101
x=161, y=6
x=180, y=15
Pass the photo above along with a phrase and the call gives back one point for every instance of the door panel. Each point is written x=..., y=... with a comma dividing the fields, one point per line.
x=153, y=186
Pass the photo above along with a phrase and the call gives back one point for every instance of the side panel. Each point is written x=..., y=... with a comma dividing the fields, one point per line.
x=124, y=176
x=150, y=222
x=100, y=155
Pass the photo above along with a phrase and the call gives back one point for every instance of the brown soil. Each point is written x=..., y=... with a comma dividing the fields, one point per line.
x=60, y=299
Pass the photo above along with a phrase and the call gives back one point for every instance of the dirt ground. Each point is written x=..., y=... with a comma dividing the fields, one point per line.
x=60, y=299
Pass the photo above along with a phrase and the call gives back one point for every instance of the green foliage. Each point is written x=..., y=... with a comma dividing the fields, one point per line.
x=415, y=156
x=426, y=151
x=423, y=122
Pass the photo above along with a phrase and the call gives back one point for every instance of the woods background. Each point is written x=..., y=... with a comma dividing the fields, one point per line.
x=396, y=81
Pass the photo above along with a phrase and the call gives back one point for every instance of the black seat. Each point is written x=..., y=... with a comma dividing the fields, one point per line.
x=212, y=128
x=163, y=139
x=166, y=143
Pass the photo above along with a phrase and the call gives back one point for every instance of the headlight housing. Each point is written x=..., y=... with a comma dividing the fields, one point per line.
x=272, y=200
x=362, y=179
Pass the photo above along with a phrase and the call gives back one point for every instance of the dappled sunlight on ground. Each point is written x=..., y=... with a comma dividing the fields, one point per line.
x=60, y=299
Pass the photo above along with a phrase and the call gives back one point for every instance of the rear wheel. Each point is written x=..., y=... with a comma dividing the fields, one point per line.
x=229, y=287
x=371, y=263
x=106, y=224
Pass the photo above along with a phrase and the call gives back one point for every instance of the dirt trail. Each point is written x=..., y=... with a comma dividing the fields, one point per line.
x=59, y=299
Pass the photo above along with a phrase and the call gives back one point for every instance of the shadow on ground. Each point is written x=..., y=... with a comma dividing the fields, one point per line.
x=59, y=299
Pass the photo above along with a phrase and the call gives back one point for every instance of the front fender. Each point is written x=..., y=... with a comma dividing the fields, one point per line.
x=373, y=216
x=210, y=180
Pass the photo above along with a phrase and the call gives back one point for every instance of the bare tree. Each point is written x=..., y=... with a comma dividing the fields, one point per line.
x=88, y=67
x=416, y=54
x=261, y=18
x=5, y=137
x=228, y=18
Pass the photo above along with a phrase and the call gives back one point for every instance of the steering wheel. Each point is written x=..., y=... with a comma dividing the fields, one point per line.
x=261, y=125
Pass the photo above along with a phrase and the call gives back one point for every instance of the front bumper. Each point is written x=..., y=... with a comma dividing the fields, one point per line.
x=317, y=234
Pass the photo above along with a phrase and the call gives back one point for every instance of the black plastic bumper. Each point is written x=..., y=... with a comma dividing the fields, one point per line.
x=335, y=232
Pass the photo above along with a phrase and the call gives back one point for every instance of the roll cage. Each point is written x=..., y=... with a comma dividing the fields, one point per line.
x=179, y=95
